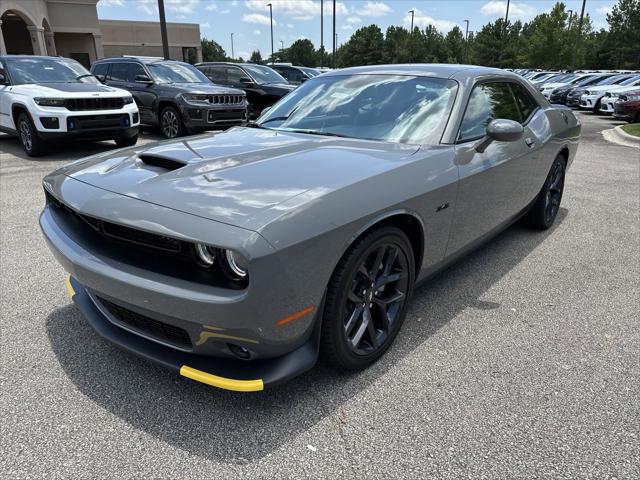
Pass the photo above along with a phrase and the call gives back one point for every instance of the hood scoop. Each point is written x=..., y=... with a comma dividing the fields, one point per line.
x=161, y=161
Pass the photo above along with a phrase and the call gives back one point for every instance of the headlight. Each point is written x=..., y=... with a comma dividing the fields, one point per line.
x=195, y=98
x=630, y=98
x=206, y=254
x=49, y=102
x=237, y=264
x=128, y=100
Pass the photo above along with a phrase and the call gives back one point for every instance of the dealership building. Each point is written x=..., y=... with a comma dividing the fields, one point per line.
x=71, y=28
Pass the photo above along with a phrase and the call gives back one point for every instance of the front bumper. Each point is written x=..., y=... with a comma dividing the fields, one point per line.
x=606, y=107
x=627, y=111
x=588, y=102
x=197, y=117
x=228, y=374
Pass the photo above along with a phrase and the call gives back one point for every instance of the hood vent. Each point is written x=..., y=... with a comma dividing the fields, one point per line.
x=161, y=161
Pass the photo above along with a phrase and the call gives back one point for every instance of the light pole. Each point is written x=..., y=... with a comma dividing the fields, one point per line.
x=504, y=32
x=321, y=33
x=163, y=30
x=334, y=34
x=271, y=17
x=466, y=42
x=412, y=12
x=232, y=53
x=570, y=18
x=575, y=50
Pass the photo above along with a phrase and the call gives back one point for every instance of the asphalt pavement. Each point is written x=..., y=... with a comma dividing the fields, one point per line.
x=521, y=361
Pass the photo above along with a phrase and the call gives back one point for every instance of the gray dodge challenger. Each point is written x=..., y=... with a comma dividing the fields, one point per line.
x=239, y=259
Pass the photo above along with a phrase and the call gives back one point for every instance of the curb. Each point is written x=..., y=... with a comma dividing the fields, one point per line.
x=619, y=136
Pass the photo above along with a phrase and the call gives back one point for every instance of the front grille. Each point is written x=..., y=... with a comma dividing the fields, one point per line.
x=90, y=122
x=122, y=233
x=148, y=326
x=78, y=104
x=226, y=99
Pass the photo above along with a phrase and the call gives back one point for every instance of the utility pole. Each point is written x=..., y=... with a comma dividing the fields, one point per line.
x=504, y=32
x=163, y=30
x=281, y=45
x=321, y=33
x=232, y=53
x=570, y=18
x=412, y=12
x=271, y=17
x=466, y=42
x=575, y=50
x=334, y=34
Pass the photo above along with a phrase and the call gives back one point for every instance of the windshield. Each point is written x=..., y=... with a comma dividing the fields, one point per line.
x=171, y=72
x=264, y=74
x=613, y=80
x=630, y=81
x=312, y=72
x=49, y=70
x=394, y=108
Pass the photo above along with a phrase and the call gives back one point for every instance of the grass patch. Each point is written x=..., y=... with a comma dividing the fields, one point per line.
x=632, y=129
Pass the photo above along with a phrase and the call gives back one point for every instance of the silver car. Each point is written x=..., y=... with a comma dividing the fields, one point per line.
x=238, y=259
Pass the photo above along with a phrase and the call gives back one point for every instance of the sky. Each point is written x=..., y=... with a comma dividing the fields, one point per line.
x=249, y=21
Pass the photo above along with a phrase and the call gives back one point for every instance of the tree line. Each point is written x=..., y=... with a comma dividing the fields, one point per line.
x=547, y=41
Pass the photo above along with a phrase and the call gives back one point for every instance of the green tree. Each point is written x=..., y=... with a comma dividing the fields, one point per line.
x=396, y=45
x=623, y=42
x=454, y=46
x=302, y=52
x=486, y=46
x=363, y=48
x=212, y=51
x=256, y=57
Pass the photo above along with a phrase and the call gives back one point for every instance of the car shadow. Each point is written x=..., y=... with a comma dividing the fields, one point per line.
x=239, y=428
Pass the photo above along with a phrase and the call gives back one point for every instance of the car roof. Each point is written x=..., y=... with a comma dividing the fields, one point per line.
x=423, y=69
x=35, y=57
x=145, y=60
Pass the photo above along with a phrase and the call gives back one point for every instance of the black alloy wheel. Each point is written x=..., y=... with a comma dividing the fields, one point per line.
x=32, y=144
x=367, y=299
x=171, y=123
x=545, y=209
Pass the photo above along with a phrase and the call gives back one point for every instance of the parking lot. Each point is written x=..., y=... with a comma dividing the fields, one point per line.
x=523, y=360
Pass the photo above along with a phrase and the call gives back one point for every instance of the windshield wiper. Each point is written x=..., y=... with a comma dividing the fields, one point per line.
x=84, y=75
x=319, y=132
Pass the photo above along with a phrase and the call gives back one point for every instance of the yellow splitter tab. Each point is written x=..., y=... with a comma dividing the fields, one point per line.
x=222, y=382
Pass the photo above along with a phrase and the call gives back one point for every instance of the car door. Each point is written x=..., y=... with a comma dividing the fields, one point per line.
x=143, y=92
x=5, y=103
x=493, y=184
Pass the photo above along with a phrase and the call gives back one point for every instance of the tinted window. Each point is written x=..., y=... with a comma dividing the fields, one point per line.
x=262, y=74
x=525, y=101
x=174, y=72
x=119, y=72
x=100, y=69
x=488, y=101
x=234, y=75
x=393, y=108
x=215, y=73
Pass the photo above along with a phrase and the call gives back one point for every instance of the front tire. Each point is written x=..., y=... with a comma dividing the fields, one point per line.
x=126, y=141
x=32, y=144
x=171, y=125
x=367, y=298
x=545, y=209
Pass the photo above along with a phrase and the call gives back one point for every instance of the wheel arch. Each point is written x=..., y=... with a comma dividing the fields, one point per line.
x=16, y=110
x=407, y=221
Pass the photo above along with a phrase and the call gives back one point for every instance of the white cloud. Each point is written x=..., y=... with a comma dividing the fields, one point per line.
x=150, y=7
x=257, y=32
x=225, y=11
x=346, y=27
x=211, y=7
x=421, y=20
x=354, y=19
x=296, y=9
x=605, y=9
x=111, y=3
x=257, y=18
x=289, y=25
x=498, y=8
x=205, y=25
x=374, y=9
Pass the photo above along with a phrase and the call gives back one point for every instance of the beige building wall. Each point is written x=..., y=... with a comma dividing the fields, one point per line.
x=121, y=37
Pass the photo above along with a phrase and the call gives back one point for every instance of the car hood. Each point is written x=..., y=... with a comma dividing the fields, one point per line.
x=239, y=177
x=551, y=86
x=70, y=90
x=204, y=88
x=605, y=88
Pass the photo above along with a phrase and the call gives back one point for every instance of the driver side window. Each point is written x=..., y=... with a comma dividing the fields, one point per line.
x=487, y=102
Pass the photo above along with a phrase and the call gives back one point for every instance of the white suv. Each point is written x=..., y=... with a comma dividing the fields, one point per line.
x=52, y=98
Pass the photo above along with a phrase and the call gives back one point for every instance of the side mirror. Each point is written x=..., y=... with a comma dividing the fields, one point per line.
x=3, y=79
x=101, y=78
x=143, y=79
x=500, y=130
x=246, y=81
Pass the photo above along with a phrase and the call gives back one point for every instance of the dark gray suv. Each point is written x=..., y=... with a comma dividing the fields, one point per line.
x=174, y=95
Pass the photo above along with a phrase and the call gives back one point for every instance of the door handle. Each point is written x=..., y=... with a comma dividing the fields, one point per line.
x=530, y=143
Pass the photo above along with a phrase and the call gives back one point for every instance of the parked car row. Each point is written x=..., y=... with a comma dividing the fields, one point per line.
x=43, y=99
x=608, y=93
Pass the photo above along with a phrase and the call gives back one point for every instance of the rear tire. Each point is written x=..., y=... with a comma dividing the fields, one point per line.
x=32, y=144
x=367, y=298
x=596, y=107
x=545, y=209
x=126, y=141
x=171, y=125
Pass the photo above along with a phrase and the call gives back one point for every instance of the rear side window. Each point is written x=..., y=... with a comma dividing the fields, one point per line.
x=215, y=74
x=126, y=72
x=488, y=101
x=234, y=75
x=100, y=69
x=526, y=102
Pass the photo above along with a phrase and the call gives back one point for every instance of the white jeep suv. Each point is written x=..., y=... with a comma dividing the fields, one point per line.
x=44, y=99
